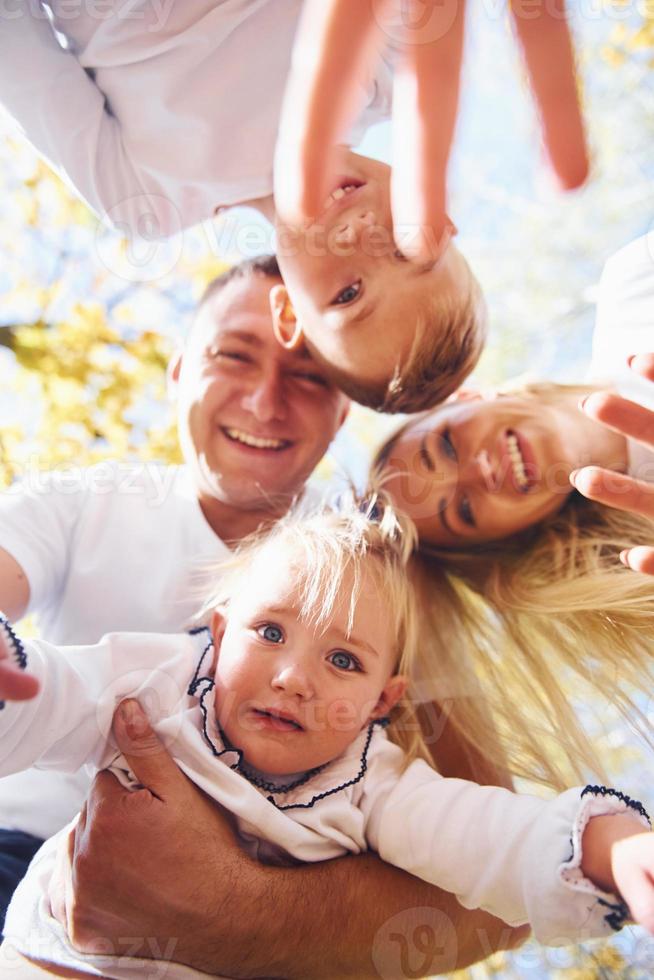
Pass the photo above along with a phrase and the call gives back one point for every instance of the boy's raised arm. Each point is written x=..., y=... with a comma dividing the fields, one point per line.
x=354, y=917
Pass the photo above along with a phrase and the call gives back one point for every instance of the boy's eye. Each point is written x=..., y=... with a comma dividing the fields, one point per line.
x=448, y=445
x=347, y=295
x=344, y=661
x=270, y=632
x=465, y=512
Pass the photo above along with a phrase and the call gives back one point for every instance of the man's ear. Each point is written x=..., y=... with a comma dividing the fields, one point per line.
x=345, y=411
x=173, y=370
x=392, y=693
x=286, y=328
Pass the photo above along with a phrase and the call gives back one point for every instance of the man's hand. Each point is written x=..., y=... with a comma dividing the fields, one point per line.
x=336, y=51
x=616, y=489
x=15, y=684
x=159, y=864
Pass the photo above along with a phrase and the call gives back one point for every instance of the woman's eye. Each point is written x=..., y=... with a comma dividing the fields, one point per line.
x=465, y=512
x=344, y=661
x=270, y=633
x=448, y=445
x=347, y=295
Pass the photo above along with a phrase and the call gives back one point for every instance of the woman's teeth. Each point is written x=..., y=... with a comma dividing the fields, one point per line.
x=238, y=436
x=517, y=462
x=339, y=193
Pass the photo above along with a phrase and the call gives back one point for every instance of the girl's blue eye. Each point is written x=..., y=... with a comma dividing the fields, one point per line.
x=447, y=444
x=271, y=633
x=347, y=295
x=344, y=661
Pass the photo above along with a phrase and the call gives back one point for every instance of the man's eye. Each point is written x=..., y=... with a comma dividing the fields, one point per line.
x=270, y=632
x=231, y=355
x=314, y=379
x=447, y=444
x=344, y=661
x=347, y=295
x=465, y=512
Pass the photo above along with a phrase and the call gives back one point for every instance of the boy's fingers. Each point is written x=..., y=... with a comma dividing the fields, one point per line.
x=334, y=53
x=639, y=559
x=621, y=415
x=146, y=756
x=643, y=364
x=15, y=684
x=549, y=55
x=615, y=490
x=425, y=107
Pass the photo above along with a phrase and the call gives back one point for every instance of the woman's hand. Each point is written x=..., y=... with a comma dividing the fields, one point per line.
x=617, y=489
x=15, y=684
x=336, y=51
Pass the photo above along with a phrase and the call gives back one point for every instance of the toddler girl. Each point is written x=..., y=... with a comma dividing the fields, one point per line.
x=277, y=710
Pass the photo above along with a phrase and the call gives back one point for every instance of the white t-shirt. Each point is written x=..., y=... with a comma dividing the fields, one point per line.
x=114, y=546
x=624, y=326
x=517, y=856
x=158, y=112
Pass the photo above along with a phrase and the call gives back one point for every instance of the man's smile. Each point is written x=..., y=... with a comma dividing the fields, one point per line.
x=253, y=441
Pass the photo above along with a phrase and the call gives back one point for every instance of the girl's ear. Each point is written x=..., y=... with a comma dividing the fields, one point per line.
x=286, y=328
x=217, y=627
x=394, y=690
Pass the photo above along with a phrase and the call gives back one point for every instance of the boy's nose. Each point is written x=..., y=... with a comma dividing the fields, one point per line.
x=357, y=224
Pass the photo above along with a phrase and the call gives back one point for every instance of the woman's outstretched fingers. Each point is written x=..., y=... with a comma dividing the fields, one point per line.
x=615, y=490
x=643, y=364
x=621, y=415
x=639, y=559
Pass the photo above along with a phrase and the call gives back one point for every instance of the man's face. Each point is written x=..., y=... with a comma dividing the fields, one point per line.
x=353, y=292
x=254, y=419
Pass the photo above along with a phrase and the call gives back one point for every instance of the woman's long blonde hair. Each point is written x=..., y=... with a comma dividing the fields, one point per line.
x=530, y=622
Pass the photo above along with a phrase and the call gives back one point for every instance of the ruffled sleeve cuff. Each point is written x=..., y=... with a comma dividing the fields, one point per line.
x=13, y=644
x=597, y=801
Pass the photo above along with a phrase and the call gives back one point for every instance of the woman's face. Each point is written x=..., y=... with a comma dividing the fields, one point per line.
x=479, y=469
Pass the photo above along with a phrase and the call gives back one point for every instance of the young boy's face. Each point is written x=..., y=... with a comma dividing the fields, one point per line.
x=291, y=695
x=353, y=293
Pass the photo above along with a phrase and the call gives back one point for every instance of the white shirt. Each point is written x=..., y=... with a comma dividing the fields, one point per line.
x=516, y=856
x=624, y=326
x=159, y=111
x=113, y=546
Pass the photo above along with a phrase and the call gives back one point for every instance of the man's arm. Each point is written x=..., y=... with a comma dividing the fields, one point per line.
x=453, y=754
x=185, y=884
x=14, y=587
x=63, y=114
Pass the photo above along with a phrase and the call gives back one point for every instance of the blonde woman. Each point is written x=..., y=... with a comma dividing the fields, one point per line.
x=518, y=566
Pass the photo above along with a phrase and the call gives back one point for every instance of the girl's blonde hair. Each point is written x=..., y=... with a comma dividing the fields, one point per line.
x=535, y=619
x=321, y=548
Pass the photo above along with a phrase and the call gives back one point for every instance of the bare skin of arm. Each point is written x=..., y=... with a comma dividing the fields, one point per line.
x=453, y=755
x=14, y=587
x=355, y=917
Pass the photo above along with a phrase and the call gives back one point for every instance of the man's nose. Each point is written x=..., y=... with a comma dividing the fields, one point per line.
x=292, y=680
x=264, y=399
x=356, y=225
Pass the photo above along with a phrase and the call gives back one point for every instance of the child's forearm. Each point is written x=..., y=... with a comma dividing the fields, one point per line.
x=598, y=839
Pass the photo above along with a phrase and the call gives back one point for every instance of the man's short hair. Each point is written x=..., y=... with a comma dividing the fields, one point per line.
x=261, y=265
x=448, y=342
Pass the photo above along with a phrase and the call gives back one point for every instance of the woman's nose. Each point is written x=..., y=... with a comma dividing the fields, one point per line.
x=356, y=225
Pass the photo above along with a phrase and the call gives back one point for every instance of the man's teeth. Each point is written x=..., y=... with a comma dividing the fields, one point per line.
x=339, y=193
x=517, y=462
x=238, y=436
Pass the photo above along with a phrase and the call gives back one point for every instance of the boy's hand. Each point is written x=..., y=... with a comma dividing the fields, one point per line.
x=633, y=870
x=15, y=684
x=335, y=55
x=617, y=489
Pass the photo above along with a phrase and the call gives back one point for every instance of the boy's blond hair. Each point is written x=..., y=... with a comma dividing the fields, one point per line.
x=448, y=342
x=326, y=545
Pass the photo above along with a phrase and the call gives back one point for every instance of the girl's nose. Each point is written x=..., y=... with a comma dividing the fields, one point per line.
x=292, y=680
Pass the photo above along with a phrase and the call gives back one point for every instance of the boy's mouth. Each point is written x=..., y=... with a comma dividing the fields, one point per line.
x=345, y=187
x=279, y=720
